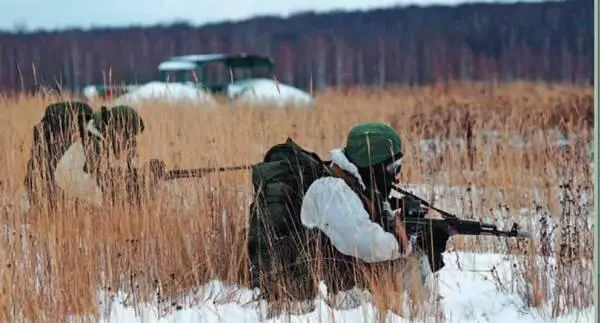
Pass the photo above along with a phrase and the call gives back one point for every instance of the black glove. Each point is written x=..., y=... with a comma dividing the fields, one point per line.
x=142, y=181
x=111, y=177
x=433, y=242
x=410, y=207
x=155, y=168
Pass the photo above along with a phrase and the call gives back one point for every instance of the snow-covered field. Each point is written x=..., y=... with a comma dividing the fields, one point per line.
x=475, y=287
x=433, y=147
x=472, y=286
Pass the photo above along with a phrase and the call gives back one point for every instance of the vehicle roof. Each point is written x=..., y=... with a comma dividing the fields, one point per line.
x=186, y=62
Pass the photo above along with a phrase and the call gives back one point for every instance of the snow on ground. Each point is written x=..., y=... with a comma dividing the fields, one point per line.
x=467, y=285
x=170, y=92
x=264, y=92
x=432, y=147
x=268, y=91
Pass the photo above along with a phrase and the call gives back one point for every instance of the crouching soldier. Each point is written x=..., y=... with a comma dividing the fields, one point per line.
x=101, y=164
x=314, y=220
x=52, y=137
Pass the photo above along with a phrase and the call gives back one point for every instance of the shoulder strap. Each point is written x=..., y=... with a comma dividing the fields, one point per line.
x=338, y=172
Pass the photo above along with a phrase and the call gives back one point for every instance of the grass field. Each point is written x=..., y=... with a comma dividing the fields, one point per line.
x=502, y=153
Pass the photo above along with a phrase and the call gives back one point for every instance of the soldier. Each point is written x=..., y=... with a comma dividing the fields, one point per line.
x=333, y=217
x=102, y=162
x=52, y=137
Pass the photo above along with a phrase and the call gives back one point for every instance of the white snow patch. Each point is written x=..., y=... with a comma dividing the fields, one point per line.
x=170, y=92
x=90, y=91
x=260, y=92
x=268, y=91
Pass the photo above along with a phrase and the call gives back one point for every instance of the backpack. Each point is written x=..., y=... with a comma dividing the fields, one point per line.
x=276, y=233
x=280, y=182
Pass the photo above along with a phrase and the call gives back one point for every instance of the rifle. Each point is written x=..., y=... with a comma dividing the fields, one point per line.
x=199, y=172
x=157, y=169
x=451, y=223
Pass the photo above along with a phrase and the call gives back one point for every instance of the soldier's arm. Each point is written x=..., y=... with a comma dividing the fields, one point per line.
x=73, y=180
x=332, y=207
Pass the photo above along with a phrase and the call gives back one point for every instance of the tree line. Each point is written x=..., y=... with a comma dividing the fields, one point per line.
x=545, y=41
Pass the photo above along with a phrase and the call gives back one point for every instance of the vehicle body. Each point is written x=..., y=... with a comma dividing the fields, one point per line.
x=233, y=76
x=213, y=72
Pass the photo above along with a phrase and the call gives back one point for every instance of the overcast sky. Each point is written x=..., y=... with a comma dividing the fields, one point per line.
x=58, y=14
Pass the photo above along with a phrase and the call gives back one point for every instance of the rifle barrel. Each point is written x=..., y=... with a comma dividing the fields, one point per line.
x=466, y=227
x=199, y=172
x=455, y=225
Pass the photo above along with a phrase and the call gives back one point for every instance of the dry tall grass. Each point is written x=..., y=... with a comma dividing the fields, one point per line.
x=54, y=264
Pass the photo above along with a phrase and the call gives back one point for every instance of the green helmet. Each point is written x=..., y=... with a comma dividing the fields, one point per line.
x=60, y=116
x=120, y=118
x=372, y=143
x=67, y=108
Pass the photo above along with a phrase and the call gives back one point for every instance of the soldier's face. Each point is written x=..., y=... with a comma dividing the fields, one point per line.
x=394, y=168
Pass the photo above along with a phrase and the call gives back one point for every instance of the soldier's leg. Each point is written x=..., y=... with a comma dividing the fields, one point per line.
x=421, y=286
x=343, y=285
x=379, y=284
